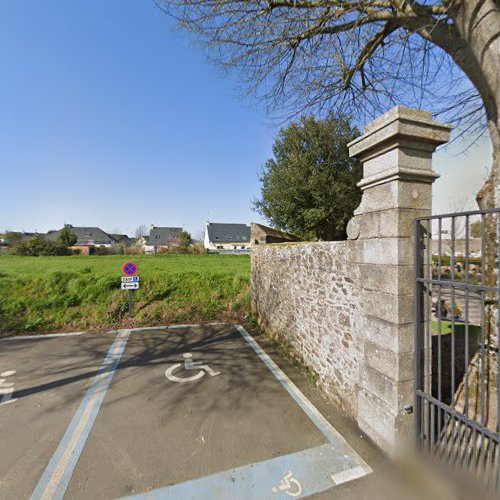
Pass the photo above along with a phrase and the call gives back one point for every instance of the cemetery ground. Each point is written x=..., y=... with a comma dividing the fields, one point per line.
x=48, y=294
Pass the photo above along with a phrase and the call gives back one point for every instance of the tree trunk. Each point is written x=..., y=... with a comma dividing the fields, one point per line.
x=478, y=24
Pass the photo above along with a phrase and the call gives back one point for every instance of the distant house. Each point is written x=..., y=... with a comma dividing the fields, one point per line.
x=86, y=237
x=227, y=237
x=13, y=237
x=160, y=239
x=4, y=245
x=122, y=239
x=262, y=235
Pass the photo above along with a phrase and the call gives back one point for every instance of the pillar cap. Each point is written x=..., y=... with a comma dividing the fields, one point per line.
x=414, y=128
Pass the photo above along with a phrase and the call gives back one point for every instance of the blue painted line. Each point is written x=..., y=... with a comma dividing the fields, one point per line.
x=339, y=443
x=313, y=471
x=57, y=475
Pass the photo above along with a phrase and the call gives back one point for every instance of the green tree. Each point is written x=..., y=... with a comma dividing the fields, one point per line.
x=309, y=186
x=186, y=239
x=38, y=245
x=67, y=237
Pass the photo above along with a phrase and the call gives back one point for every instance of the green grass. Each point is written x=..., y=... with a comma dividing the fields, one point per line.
x=446, y=260
x=83, y=293
x=112, y=264
x=459, y=328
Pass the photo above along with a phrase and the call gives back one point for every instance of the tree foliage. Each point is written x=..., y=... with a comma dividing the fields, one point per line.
x=309, y=186
x=38, y=246
x=185, y=240
x=67, y=237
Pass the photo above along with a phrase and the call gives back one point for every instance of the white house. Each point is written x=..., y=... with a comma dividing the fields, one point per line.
x=227, y=237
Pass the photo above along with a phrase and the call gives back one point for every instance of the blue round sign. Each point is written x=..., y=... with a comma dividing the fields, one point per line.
x=130, y=268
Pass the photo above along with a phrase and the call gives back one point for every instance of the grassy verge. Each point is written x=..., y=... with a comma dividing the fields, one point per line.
x=459, y=328
x=282, y=346
x=83, y=293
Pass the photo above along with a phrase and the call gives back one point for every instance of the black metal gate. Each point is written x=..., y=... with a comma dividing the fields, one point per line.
x=457, y=378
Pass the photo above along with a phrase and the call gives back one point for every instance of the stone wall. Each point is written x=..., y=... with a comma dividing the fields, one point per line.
x=308, y=294
x=347, y=308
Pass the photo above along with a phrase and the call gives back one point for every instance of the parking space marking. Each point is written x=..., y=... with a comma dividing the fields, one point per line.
x=189, y=364
x=309, y=409
x=348, y=475
x=44, y=336
x=299, y=474
x=56, y=477
x=6, y=388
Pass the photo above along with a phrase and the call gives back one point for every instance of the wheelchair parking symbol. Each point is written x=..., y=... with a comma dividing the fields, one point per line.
x=289, y=485
x=189, y=364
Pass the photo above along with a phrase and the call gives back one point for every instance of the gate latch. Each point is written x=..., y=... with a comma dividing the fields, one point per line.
x=408, y=409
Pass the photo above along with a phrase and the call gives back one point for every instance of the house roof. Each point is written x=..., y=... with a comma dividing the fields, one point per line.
x=119, y=238
x=274, y=233
x=20, y=236
x=228, y=233
x=86, y=236
x=163, y=235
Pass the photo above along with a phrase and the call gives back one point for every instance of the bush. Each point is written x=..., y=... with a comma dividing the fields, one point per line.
x=39, y=246
x=102, y=251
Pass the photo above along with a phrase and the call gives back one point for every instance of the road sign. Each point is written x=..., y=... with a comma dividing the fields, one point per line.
x=130, y=268
x=130, y=286
x=128, y=279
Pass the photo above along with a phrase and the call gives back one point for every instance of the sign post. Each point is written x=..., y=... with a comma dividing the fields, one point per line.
x=130, y=282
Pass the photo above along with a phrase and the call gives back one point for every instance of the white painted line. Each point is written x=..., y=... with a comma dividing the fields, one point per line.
x=348, y=475
x=6, y=388
x=309, y=409
x=11, y=400
x=177, y=327
x=38, y=337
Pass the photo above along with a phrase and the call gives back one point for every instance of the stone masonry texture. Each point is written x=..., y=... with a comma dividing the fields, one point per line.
x=308, y=295
x=346, y=308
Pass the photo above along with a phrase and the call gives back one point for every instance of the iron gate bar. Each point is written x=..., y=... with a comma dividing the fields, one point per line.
x=459, y=286
x=456, y=426
x=487, y=211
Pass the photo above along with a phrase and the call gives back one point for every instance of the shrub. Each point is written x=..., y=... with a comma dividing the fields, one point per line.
x=39, y=246
x=102, y=251
x=186, y=239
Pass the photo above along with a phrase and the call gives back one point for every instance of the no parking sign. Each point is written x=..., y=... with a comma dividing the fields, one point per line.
x=130, y=268
x=130, y=281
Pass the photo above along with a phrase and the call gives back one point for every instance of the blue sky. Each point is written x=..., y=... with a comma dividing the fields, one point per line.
x=109, y=116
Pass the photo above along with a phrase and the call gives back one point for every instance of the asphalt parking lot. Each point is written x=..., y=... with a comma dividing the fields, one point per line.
x=183, y=412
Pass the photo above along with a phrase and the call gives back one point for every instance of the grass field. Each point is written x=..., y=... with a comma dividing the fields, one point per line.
x=83, y=293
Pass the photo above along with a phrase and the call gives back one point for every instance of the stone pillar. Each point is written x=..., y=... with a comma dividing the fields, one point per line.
x=396, y=151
